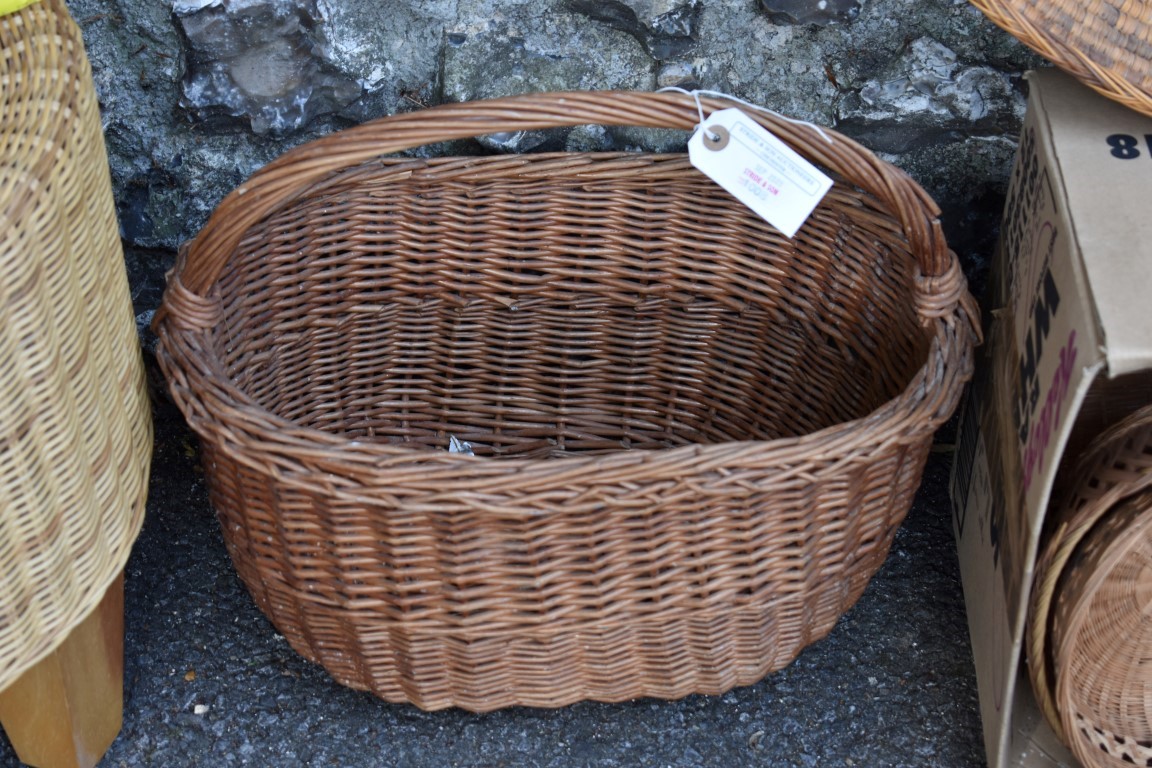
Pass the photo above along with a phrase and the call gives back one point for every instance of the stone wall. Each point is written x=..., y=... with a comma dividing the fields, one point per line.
x=197, y=94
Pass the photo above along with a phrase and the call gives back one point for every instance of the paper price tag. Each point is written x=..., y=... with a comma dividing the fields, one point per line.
x=758, y=169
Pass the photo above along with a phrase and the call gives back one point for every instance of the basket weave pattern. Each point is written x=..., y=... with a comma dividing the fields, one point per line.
x=1087, y=633
x=75, y=428
x=694, y=438
x=1106, y=44
x=1101, y=636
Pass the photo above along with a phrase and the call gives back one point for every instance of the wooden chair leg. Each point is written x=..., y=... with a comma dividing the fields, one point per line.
x=65, y=711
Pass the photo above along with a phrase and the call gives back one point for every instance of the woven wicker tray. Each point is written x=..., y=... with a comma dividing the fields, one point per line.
x=1087, y=628
x=1101, y=637
x=1106, y=44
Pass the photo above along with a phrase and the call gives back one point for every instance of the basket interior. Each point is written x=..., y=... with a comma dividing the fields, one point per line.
x=547, y=304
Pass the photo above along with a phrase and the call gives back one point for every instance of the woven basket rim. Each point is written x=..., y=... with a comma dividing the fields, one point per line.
x=292, y=439
x=296, y=171
x=947, y=311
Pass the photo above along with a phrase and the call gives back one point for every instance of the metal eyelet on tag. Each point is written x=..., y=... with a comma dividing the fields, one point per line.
x=716, y=137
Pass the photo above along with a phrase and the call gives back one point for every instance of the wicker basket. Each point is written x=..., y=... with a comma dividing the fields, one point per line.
x=75, y=420
x=1087, y=631
x=1106, y=44
x=1101, y=639
x=694, y=437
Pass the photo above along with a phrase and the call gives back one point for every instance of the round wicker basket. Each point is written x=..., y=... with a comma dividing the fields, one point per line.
x=1106, y=44
x=1101, y=636
x=1087, y=628
x=694, y=438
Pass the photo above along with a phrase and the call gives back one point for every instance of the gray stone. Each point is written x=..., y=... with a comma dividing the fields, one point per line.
x=819, y=12
x=168, y=173
x=929, y=84
x=550, y=53
x=262, y=61
x=588, y=138
x=677, y=73
x=547, y=52
x=913, y=79
x=633, y=139
x=392, y=48
x=665, y=28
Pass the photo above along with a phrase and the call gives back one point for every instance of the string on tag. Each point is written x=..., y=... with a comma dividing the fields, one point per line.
x=697, y=93
x=699, y=107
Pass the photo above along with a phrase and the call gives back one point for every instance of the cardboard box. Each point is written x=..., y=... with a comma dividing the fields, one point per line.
x=1068, y=352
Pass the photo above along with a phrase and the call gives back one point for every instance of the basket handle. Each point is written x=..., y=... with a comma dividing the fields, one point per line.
x=297, y=169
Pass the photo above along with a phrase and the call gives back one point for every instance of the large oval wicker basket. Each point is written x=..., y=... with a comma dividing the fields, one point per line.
x=694, y=437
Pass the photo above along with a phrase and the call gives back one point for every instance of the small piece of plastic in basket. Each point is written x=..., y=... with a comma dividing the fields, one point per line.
x=456, y=445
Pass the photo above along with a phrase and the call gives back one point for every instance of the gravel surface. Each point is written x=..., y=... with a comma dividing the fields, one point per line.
x=209, y=682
